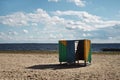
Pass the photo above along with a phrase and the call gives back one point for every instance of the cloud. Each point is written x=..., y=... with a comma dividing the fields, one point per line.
x=1, y=33
x=4, y=36
x=34, y=24
x=86, y=22
x=53, y=0
x=24, y=19
x=38, y=16
x=90, y=26
x=58, y=26
x=79, y=3
x=25, y=31
x=86, y=34
x=52, y=36
x=12, y=33
x=15, y=19
x=29, y=19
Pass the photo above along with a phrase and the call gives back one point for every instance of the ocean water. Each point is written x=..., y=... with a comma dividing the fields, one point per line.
x=51, y=46
x=98, y=47
x=29, y=46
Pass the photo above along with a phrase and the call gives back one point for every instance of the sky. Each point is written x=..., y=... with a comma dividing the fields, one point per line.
x=48, y=21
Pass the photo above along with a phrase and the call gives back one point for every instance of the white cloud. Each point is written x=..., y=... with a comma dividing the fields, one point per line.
x=25, y=31
x=24, y=19
x=52, y=36
x=1, y=33
x=81, y=14
x=79, y=3
x=110, y=37
x=86, y=22
x=5, y=37
x=57, y=26
x=12, y=33
x=16, y=19
x=86, y=34
x=34, y=24
x=53, y=0
x=38, y=16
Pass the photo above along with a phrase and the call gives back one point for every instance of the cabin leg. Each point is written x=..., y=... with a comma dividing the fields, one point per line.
x=78, y=61
x=60, y=62
x=85, y=62
x=74, y=62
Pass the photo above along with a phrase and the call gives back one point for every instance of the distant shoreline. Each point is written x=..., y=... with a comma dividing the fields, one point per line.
x=96, y=47
x=28, y=51
x=50, y=52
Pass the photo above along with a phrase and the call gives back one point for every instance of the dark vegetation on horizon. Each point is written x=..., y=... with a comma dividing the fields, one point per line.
x=30, y=51
x=111, y=49
x=55, y=52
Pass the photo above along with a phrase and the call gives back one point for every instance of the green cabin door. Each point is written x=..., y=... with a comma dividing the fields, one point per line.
x=62, y=51
x=70, y=51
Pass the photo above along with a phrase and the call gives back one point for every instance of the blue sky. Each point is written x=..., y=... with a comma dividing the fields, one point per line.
x=47, y=21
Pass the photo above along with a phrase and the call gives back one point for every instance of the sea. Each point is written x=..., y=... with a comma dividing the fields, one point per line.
x=95, y=47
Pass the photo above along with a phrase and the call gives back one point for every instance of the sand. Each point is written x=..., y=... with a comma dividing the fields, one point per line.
x=33, y=66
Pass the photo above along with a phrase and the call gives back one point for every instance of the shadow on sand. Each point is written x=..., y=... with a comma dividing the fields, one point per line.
x=56, y=66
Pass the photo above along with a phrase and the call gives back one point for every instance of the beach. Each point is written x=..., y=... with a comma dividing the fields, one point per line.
x=46, y=66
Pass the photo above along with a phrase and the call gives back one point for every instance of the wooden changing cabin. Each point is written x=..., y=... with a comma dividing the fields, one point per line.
x=71, y=51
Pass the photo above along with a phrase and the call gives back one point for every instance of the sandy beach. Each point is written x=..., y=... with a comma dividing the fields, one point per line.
x=45, y=66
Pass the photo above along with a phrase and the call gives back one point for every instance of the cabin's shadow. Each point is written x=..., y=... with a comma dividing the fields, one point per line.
x=56, y=66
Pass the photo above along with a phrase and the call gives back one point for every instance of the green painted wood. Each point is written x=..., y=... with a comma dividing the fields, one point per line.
x=90, y=55
x=62, y=52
